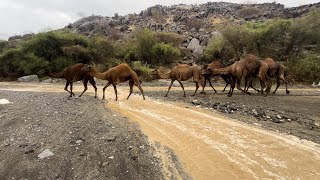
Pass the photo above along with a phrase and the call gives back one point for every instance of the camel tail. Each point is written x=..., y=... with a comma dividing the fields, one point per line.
x=56, y=75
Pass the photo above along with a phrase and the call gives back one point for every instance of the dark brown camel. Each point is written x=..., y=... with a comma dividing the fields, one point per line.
x=181, y=72
x=75, y=73
x=120, y=73
x=207, y=77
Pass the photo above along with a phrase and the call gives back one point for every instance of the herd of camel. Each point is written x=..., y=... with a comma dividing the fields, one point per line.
x=246, y=68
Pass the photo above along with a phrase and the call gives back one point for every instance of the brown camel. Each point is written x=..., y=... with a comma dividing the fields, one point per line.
x=75, y=73
x=181, y=72
x=277, y=71
x=244, y=68
x=120, y=73
x=207, y=77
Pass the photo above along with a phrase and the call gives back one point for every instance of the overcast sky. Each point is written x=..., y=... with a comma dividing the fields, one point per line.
x=24, y=16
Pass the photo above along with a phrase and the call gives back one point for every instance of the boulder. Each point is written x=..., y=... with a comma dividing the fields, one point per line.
x=195, y=47
x=28, y=78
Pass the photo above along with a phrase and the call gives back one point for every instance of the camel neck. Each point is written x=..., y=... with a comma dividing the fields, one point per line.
x=99, y=75
x=222, y=71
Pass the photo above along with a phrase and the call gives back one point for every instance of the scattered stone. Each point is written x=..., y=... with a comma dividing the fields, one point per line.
x=104, y=164
x=317, y=124
x=111, y=157
x=45, y=153
x=279, y=117
x=79, y=141
x=4, y=101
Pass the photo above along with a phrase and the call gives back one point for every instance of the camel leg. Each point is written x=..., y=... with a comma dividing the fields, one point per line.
x=212, y=86
x=251, y=85
x=104, y=89
x=115, y=90
x=93, y=83
x=141, y=90
x=204, y=85
x=71, y=93
x=184, y=92
x=169, y=88
x=232, y=86
x=66, y=88
x=278, y=84
x=85, y=84
x=131, y=88
x=239, y=85
x=227, y=82
x=197, y=87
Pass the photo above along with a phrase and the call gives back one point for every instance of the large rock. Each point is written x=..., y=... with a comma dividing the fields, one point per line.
x=195, y=47
x=28, y=78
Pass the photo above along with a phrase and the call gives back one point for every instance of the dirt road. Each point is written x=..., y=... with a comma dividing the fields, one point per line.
x=211, y=146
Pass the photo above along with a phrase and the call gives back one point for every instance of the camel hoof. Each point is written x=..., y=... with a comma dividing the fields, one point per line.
x=215, y=91
x=248, y=93
x=202, y=92
x=95, y=97
x=229, y=95
x=288, y=92
x=165, y=95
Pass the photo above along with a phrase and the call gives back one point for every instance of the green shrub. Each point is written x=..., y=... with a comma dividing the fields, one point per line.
x=248, y=11
x=169, y=38
x=31, y=64
x=100, y=49
x=306, y=69
x=142, y=70
x=59, y=64
x=145, y=40
x=164, y=53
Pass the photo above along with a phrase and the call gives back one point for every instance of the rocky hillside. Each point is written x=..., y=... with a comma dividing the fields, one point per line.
x=195, y=23
x=191, y=21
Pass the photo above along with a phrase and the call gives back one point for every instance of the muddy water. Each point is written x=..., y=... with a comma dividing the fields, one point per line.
x=211, y=146
x=214, y=147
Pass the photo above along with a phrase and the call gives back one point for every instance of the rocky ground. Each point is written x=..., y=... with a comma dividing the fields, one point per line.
x=47, y=136
x=297, y=113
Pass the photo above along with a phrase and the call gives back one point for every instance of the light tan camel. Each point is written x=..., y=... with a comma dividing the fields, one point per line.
x=181, y=72
x=120, y=73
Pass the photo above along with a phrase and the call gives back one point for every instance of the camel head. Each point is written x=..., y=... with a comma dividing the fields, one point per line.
x=87, y=68
x=155, y=74
x=207, y=71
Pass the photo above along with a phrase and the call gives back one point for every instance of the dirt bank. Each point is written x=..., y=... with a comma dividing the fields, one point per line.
x=87, y=140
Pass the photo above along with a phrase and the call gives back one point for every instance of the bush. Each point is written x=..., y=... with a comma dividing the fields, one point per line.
x=217, y=49
x=248, y=11
x=164, y=53
x=59, y=64
x=100, y=49
x=145, y=40
x=31, y=64
x=306, y=69
x=142, y=70
x=169, y=38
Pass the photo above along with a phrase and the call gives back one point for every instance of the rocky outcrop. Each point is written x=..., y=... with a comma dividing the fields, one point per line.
x=195, y=47
x=28, y=78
